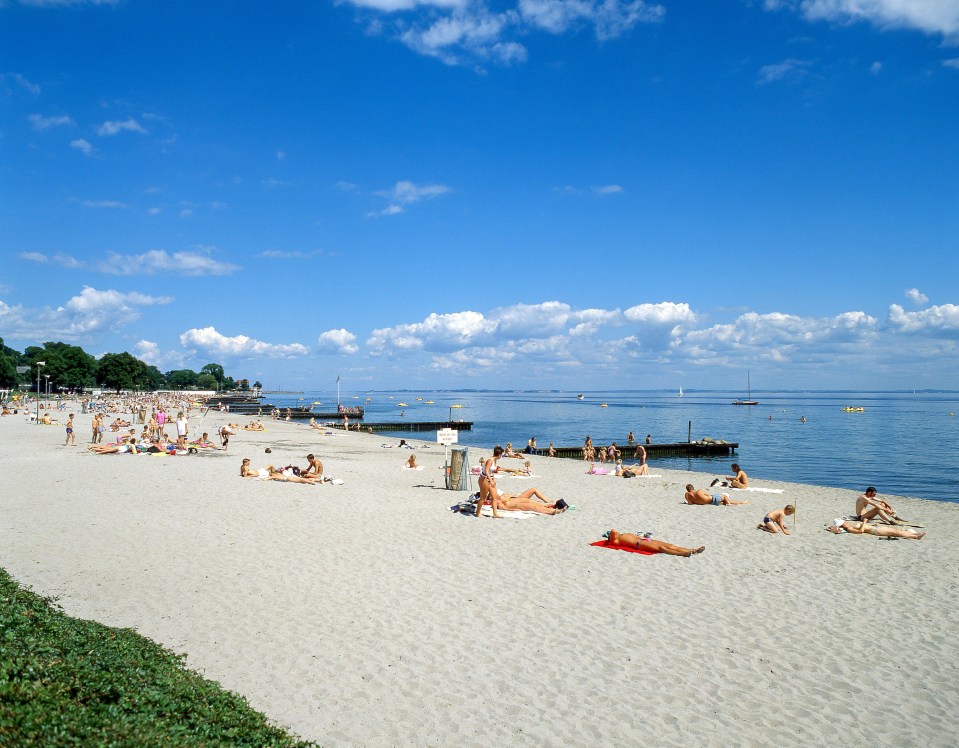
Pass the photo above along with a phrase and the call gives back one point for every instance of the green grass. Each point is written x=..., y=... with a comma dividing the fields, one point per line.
x=68, y=682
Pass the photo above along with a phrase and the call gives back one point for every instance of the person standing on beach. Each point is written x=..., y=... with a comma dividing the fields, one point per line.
x=487, y=482
x=161, y=423
x=182, y=429
x=71, y=437
x=640, y=454
x=588, y=453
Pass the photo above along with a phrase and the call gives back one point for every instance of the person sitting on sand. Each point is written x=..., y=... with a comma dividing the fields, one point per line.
x=629, y=540
x=411, y=462
x=509, y=452
x=702, y=497
x=739, y=480
x=864, y=528
x=524, y=502
x=869, y=507
x=314, y=424
x=775, y=521
x=313, y=469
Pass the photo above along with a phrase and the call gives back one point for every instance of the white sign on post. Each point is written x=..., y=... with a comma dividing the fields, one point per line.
x=447, y=436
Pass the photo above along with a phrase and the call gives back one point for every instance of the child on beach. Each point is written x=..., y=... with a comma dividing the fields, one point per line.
x=775, y=521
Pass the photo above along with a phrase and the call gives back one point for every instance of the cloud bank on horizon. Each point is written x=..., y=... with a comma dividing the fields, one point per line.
x=464, y=193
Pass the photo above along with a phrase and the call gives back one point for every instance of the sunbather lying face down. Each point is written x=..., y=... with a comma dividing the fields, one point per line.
x=527, y=502
x=629, y=540
x=702, y=497
x=864, y=528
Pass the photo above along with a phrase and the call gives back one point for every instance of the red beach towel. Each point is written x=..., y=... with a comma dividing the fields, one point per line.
x=605, y=544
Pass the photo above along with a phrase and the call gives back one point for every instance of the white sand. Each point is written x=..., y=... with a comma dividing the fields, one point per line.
x=369, y=614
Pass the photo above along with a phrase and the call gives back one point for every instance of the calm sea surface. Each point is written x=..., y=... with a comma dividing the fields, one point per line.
x=903, y=443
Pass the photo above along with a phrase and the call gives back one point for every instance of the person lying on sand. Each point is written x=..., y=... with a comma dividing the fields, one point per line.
x=525, y=470
x=739, y=480
x=629, y=540
x=631, y=471
x=869, y=507
x=702, y=497
x=254, y=426
x=531, y=500
x=864, y=528
x=271, y=473
x=775, y=521
x=105, y=449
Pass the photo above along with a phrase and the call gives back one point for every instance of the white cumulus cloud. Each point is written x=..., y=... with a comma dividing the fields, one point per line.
x=82, y=145
x=917, y=297
x=337, y=341
x=40, y=123
x=928, y=16
x=208, y=340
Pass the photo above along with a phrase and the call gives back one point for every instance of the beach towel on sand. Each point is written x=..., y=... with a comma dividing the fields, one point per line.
x=758, y=489
x=605, y=544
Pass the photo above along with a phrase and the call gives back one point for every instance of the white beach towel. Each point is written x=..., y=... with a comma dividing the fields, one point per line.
x=758, y=489
x=407, y=467
x=487, y=511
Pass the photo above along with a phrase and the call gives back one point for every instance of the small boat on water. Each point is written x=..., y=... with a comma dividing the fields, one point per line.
x=430, y=402
x=581, y=396
x=857, y=409
x=680, y=391
x=749, y=394
x=604, y=405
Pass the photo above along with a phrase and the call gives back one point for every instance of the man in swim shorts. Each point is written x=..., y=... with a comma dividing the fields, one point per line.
x=869, y=507
x=702, y=497
x=775, y=521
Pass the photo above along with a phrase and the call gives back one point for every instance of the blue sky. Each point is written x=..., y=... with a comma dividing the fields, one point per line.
x=545, y=193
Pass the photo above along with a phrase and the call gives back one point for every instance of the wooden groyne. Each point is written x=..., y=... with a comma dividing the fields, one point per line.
x=674, y=449
x=405, y=426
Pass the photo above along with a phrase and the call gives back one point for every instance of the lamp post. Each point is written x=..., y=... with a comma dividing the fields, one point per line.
x=39, y=364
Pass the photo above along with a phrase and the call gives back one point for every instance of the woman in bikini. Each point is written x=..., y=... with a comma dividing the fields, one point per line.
x=629, y=540
x=524, y=502
x=487, y=482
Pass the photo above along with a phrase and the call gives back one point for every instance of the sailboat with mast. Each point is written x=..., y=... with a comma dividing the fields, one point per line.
x=749, y=394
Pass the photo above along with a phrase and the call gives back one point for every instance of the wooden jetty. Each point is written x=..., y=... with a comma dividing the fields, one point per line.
x=674, y=449
x=405, y=426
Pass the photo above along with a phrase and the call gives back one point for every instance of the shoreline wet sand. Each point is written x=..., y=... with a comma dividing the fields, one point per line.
x=367, y=613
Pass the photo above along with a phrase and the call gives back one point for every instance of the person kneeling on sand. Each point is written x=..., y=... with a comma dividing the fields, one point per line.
x=702, y=497
x=869, y=507
x=629, y=540
x=775, y=521
x=864, y=528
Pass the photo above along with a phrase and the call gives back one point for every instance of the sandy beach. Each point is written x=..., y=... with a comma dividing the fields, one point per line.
x=367, y=613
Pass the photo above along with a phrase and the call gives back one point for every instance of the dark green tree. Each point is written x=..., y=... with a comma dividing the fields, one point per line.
x=180, y=379
x=206, y=381
x=120, y=371
x=228, y=384
x=153, y=379
x=216, y=370
x=9, y=360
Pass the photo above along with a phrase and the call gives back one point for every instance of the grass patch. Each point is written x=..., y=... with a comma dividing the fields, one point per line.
x=68, y=682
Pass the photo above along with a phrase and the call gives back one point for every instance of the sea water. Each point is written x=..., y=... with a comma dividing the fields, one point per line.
x=903, y=443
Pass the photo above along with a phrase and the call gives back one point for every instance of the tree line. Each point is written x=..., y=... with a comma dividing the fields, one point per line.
x=69, y=367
